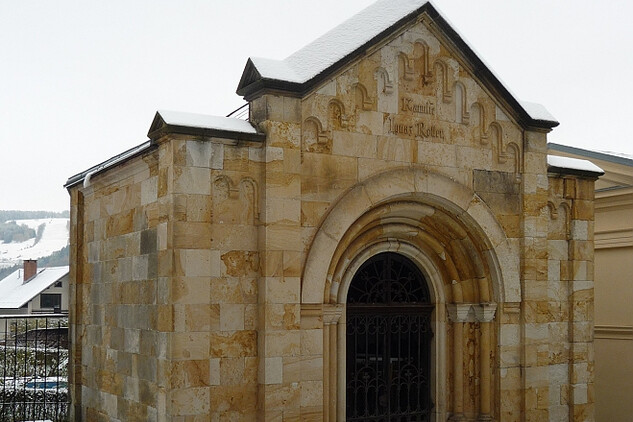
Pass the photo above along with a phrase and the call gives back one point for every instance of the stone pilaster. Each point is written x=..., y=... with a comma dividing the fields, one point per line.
x=333, y=409
x=286, y=390
x=581, y=298
x=458, y=314
x=485, y=313
x=534, y=286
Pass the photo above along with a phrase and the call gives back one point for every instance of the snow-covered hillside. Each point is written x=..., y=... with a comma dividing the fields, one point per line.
x=54, y=238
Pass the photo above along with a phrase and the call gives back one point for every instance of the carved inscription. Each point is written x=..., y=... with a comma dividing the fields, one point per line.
x=421, y=129
x=409, y=106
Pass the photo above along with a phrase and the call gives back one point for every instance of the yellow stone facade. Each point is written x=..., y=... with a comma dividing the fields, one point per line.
x=613, y=329
x=209, y=271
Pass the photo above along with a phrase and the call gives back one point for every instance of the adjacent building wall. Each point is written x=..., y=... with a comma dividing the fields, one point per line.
x=613, y=329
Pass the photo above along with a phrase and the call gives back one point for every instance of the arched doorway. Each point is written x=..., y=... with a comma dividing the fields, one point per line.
x=388, y=362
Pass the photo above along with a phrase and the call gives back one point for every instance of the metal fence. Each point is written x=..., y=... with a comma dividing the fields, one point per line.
x=34, y=368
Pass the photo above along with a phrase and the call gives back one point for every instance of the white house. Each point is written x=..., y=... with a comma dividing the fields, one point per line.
x=31, y=291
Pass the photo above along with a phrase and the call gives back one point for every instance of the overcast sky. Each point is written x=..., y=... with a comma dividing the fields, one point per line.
x=80, y=81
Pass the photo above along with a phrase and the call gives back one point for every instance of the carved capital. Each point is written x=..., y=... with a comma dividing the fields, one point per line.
x=332, y=313
x=471, y=312
x=485, y=312
x=460, y=312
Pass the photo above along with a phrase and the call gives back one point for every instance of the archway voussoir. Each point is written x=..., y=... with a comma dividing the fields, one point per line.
x=354, y=203
x=506, y=258
x=392, y=183
x=442, y=187
x=316, y=268
x=480, y=212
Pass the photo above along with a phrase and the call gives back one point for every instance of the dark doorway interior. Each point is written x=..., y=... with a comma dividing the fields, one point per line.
x=388, y=342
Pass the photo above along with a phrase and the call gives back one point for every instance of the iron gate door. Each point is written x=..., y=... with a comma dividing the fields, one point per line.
x=388, y=342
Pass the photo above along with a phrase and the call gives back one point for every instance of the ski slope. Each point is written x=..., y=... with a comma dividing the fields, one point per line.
x=54, y=237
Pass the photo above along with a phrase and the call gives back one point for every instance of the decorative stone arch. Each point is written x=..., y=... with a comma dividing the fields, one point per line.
x=559, y=219
x=478, y=121
x=514, y=151
x=423, y=56
x=362, y=98
x=462, y=113
x=431, y=189
x=406, y=66
x=443, y=77
x=313, y=137
x=456, y=242
x=337, y=119
x=382, y=75
x=496, y=133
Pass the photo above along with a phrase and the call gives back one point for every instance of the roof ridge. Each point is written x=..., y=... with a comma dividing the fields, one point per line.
x=317, y=60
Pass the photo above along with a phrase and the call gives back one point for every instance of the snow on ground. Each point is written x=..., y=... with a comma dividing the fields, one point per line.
x=54, y=238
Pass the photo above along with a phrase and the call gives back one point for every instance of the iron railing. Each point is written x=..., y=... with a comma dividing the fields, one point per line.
x=34, y=368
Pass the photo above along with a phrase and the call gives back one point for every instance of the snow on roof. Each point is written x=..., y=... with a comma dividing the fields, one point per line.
x=276, y=69
x=348, y=36
x=537, y=111
x=224, y=125
x=594, y=154
x=332, y=47
x=86, y=175
x=16, y=293
x=203, y=121
x=340, y=41
x=617, y=154
x=573, y=164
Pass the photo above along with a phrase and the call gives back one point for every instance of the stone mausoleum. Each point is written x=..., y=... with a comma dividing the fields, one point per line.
x=384, y=239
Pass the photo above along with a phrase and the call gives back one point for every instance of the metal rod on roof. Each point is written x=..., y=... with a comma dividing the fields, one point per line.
x=237, y=110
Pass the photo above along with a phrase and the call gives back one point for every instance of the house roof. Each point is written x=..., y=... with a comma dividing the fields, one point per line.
x=618, y=167
x=15, y=292
x=320, y=59
x=610, y=156
x=85, y=175
x=303, y=70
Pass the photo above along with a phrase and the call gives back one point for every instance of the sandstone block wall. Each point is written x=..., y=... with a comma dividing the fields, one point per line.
x=209, y=274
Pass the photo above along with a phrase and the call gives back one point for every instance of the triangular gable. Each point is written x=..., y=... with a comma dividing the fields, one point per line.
x=166, y=121
x=305, y=69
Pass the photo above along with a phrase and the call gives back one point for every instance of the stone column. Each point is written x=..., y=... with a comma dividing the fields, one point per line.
x=331, y=315
x=458, y=315
x=485, y=313
x=340, y=364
